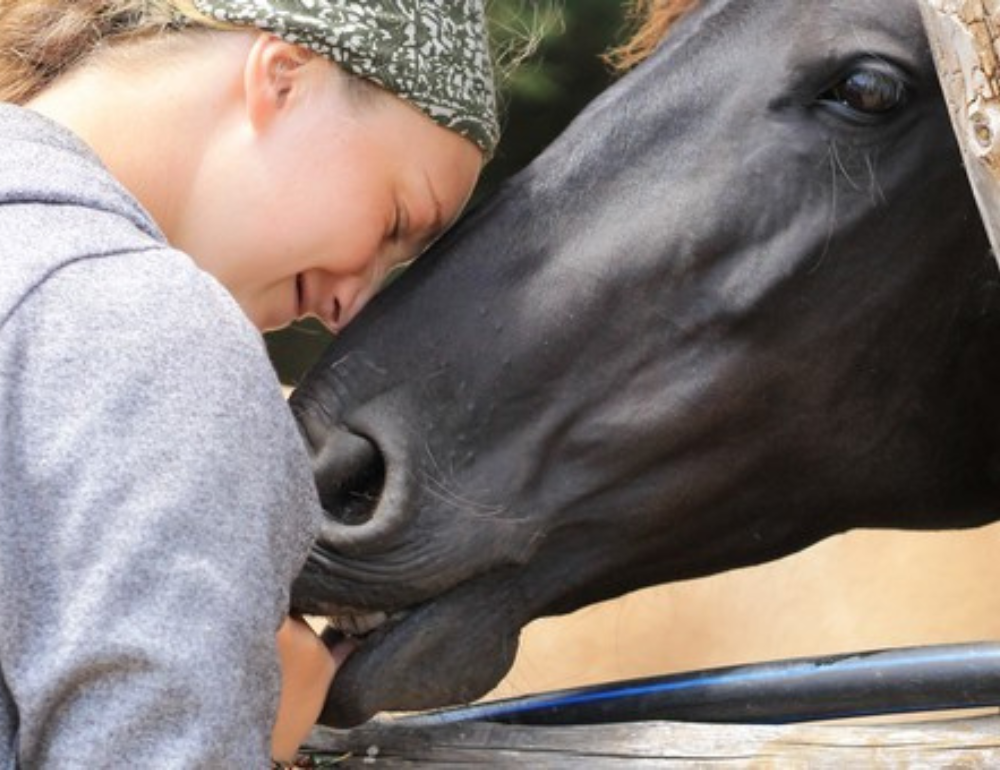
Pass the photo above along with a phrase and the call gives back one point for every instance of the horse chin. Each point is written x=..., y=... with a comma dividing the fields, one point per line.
x=417, y=661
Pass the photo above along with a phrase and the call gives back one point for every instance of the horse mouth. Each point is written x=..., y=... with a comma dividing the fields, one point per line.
x=451, y=649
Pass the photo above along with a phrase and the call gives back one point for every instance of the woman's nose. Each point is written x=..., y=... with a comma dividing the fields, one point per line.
x=346, y=300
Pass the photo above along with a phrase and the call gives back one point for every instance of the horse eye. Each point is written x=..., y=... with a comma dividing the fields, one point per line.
x=867, y=93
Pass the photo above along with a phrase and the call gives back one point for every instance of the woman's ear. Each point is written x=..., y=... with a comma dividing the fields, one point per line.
x=272, y=77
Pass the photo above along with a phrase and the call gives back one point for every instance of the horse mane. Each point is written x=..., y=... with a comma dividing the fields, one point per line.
x=653, y=19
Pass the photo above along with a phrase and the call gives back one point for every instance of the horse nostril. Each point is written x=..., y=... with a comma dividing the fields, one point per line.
x=365, y=502
x=350, y=477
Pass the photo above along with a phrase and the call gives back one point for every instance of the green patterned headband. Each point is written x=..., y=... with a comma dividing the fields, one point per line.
x=433, y=53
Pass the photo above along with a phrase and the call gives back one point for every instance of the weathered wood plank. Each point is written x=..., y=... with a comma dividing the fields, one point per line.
x=970, y=743
x=964, y=39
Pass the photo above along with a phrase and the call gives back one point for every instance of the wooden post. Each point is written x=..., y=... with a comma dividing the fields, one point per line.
x=964, y=40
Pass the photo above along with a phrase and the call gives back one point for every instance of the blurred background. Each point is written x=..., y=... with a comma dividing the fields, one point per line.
x=558, y=44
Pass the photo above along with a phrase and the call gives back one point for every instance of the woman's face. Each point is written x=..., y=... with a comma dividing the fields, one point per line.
x=309, y=211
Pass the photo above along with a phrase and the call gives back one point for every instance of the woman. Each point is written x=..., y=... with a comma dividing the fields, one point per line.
x=175, y=177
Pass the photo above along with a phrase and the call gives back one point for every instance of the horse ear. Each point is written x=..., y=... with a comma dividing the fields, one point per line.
x=271, y=75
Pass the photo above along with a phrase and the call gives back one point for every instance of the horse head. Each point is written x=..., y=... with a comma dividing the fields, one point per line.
x=745, y=301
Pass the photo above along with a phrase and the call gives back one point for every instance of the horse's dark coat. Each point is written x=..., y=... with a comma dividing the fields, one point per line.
x=725, y=315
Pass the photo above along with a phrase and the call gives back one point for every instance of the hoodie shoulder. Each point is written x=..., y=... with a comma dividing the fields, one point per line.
x=58, y=205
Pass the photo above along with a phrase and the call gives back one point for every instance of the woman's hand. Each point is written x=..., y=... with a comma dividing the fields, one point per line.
x=307, y=670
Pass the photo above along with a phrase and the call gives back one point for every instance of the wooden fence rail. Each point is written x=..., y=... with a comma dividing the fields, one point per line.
x=968, y=743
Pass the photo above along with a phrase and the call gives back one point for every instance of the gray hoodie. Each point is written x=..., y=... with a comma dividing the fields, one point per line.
x=155, y=496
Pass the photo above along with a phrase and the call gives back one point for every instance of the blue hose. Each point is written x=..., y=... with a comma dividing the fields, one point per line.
x=878, y=682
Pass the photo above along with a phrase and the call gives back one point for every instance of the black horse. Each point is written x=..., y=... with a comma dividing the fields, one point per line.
x=743, y=303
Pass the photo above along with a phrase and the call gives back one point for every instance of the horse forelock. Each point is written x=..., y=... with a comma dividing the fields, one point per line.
x=653, y=18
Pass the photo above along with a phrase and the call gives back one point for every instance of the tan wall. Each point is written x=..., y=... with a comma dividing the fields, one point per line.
x=857, y=591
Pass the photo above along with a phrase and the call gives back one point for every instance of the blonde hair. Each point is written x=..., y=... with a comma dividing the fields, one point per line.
x=42, y=39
